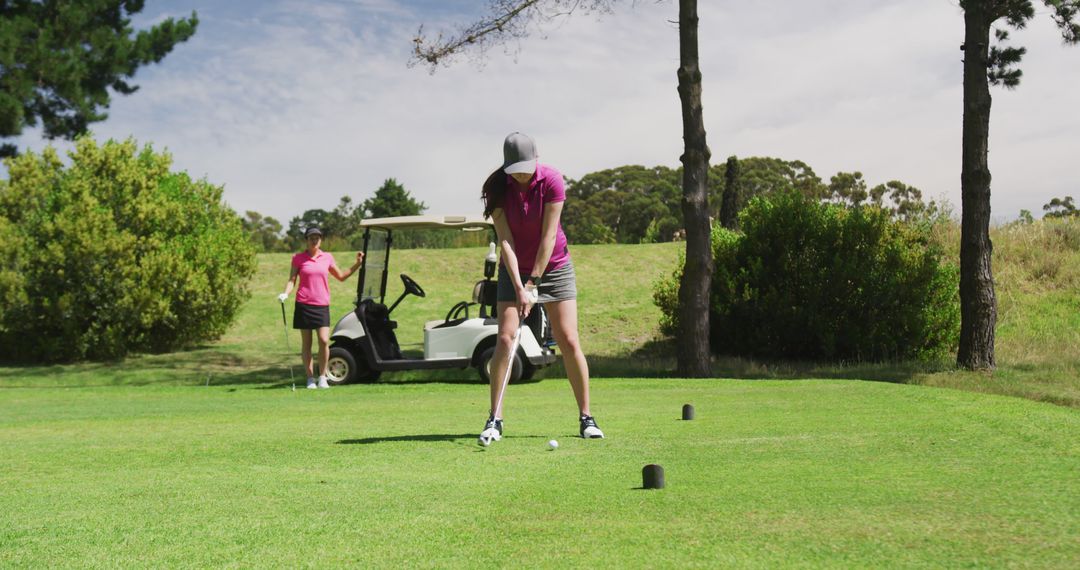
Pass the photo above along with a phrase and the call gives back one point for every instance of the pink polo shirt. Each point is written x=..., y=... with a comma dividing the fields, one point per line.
x=524, y=209
x=314, y=278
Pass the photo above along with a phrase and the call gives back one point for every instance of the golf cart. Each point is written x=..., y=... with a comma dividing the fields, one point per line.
x=364, y=343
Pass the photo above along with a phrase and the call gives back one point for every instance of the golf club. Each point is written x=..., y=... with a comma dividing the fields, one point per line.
x=288, y=347
x=509, y=367
x=533, y=296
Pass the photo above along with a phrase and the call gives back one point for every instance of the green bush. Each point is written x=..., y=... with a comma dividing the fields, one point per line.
x=114, y=254
x=823, y=282
x=666, y=296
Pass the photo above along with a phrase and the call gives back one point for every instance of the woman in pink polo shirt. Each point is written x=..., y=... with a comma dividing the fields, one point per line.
x=525, y=200
x=312, y=311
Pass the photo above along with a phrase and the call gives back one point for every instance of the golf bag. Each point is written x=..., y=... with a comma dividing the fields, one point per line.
x=377, y=321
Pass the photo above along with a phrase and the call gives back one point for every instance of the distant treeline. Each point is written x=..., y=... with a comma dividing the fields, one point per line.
x=628, y=204
x=341, y=225
x=635, y=204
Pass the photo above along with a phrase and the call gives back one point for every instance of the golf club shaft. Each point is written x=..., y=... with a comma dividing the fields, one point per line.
x=511, y=265
x=285, y=328
x=288, y=347
x=509, y=368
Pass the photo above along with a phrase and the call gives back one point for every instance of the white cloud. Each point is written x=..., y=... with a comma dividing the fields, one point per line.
x=293, y=104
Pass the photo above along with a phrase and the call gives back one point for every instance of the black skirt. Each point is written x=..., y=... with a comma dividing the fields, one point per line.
x=310, y=317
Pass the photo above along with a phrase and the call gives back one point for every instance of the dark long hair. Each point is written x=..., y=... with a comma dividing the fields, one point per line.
x=494, y=192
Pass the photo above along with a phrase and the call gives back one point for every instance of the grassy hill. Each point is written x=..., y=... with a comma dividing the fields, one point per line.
x=1037, y=270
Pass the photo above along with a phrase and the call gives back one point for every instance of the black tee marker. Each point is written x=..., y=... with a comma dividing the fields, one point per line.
x=687, y=412
x=652, y=477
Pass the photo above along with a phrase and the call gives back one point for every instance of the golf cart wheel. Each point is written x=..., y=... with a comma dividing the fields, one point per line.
x=484, y=368
x=344, y=368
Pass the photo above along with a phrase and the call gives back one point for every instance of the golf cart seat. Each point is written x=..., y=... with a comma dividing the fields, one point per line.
x=380, y=329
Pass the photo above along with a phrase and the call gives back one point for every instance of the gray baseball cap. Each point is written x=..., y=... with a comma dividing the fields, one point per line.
x=519, y=154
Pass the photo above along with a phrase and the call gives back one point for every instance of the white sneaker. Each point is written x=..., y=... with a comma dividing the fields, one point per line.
x=323, y=383
x=311, y=385
x=589, y=429
x=492, y=432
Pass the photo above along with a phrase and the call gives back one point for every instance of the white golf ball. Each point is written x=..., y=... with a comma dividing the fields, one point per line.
x=553, y=444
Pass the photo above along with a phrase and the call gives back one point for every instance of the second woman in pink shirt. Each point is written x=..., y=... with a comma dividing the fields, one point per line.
x=312, y=267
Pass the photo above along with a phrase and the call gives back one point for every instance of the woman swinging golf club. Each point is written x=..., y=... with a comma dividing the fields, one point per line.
x=312, y=312
x=525, y=200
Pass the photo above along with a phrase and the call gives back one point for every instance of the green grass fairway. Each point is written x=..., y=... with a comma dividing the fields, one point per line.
x=773, y=473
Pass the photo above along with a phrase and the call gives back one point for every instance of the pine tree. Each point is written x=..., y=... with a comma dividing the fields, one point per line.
x=61, y=60
x=986, y=65
x=392, y=199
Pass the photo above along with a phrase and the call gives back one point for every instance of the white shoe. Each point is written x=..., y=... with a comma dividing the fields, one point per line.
x=323, y=383
x=492, y=432
x=589, y=429
x=311, y=384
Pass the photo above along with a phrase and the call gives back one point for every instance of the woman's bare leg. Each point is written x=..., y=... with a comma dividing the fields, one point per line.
x=564, y=325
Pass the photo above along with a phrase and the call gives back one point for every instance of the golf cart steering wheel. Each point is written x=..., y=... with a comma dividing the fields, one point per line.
x=411, y=286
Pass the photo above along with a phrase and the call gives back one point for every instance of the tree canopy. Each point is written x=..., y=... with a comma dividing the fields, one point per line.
x=638, y=204
x=628, y=204
x=341, y=225
x=392, y=199
x=1061, y=208
x=313, y=218
x=59, y=61
x=264, y=231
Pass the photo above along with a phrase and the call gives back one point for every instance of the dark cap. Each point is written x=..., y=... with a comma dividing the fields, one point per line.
x=312, y=232
x=519, y=154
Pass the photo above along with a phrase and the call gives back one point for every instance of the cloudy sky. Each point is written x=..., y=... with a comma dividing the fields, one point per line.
x=291, y=104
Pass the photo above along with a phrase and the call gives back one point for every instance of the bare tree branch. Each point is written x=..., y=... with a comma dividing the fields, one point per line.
x=507, y=20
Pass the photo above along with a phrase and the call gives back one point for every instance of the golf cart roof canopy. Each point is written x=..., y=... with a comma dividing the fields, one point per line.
x=469, y=223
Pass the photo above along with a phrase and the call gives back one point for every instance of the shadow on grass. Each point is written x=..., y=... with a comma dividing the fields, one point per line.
x=198, y=366
x=471, y=437
x=211, y=366
x=408, y=438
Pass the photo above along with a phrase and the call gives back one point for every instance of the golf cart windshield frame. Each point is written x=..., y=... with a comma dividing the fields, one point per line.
x=364, y=267
x=388, y=225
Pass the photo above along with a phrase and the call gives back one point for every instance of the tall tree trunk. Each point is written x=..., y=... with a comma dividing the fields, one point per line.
x=693, y=342
x=729, y=208
x=978, y=311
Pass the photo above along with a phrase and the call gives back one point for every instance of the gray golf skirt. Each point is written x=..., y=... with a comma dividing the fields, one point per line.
x=557, y=285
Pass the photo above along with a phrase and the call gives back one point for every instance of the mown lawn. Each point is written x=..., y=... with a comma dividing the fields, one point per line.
x=770, y=474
